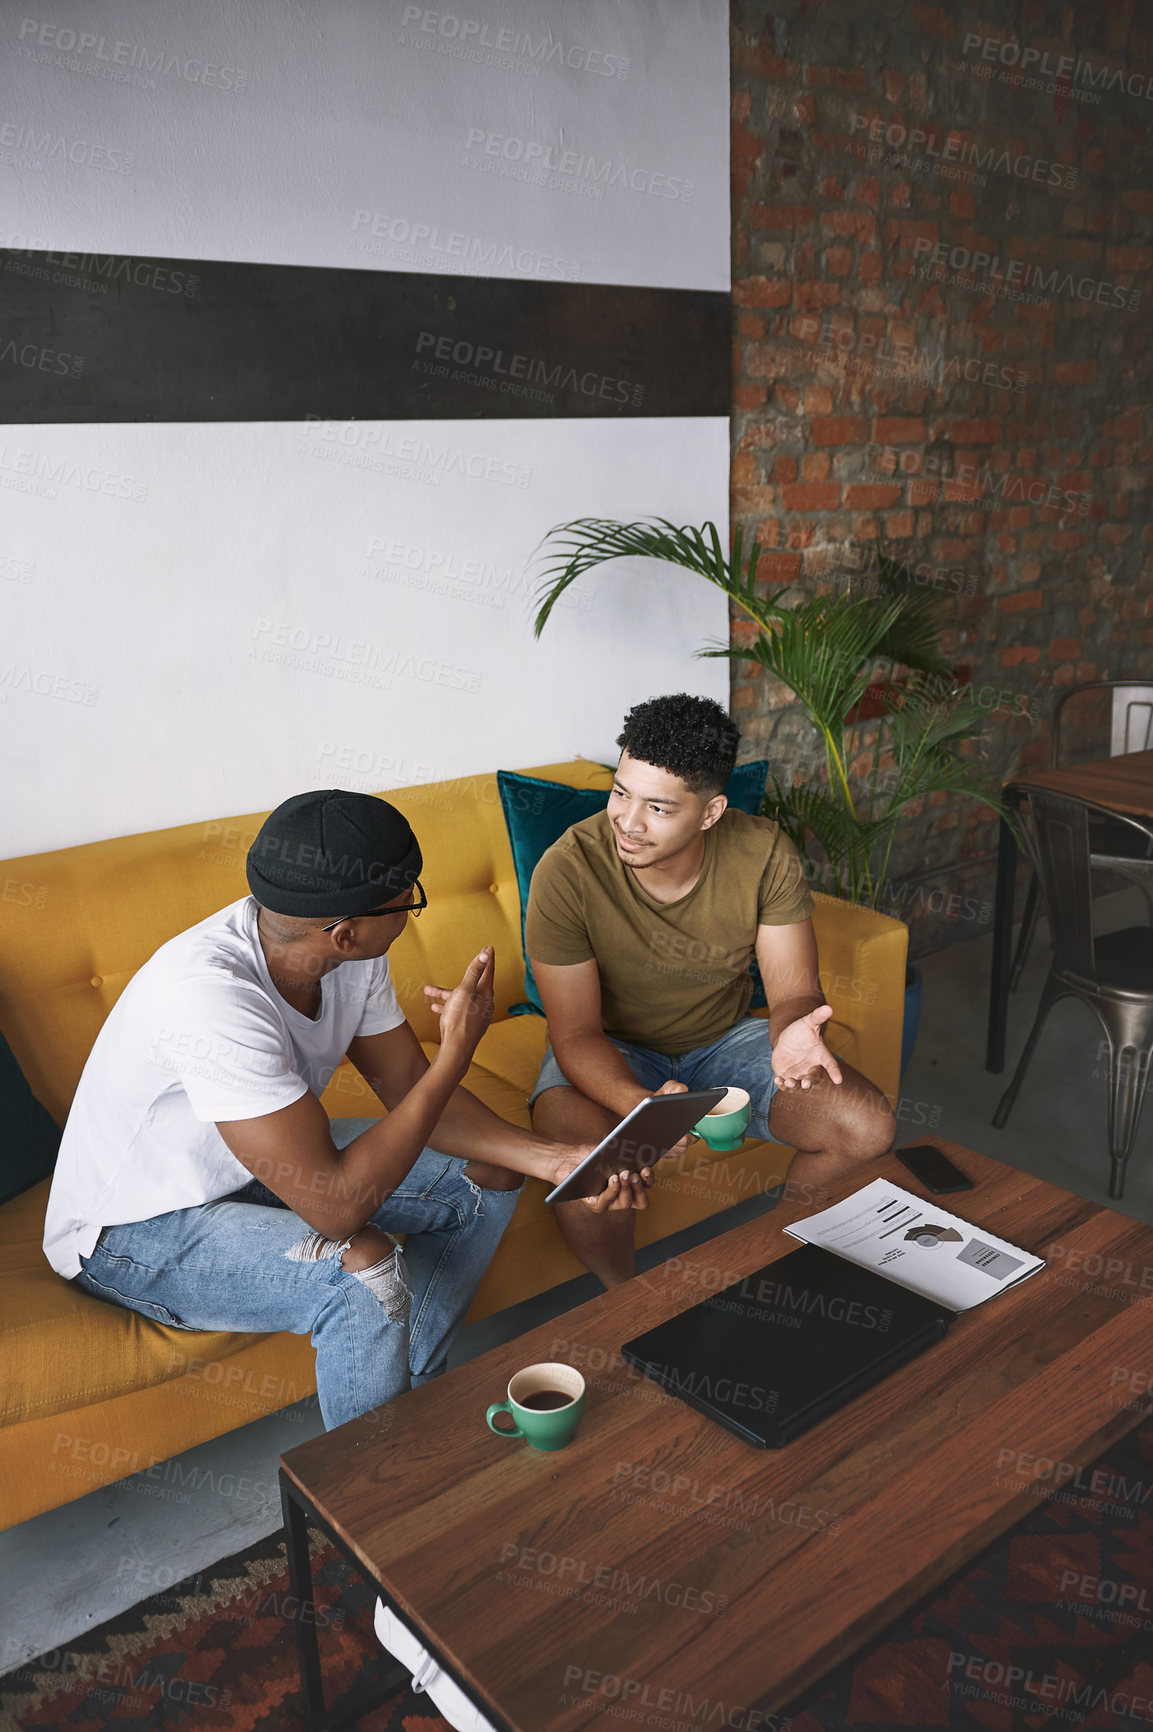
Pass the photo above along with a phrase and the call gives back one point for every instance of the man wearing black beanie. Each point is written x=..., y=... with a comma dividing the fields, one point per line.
x=199, y=1180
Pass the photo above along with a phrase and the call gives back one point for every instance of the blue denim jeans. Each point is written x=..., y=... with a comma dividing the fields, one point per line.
x=741, y=1059
x=229, y=1264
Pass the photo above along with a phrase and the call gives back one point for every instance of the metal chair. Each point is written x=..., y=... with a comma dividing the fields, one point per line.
x=1131, y=731
x=1112, y=974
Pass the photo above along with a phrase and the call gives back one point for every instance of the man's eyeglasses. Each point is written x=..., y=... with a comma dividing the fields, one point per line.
x=413, y=908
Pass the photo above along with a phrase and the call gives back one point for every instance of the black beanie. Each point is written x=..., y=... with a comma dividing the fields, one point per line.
x=332, y=852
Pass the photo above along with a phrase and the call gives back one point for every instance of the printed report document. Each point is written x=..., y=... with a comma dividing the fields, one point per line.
x=919, y=1245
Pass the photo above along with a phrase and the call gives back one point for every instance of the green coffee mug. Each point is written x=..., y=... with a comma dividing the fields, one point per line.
x=546, y=1402
x=724, y=1128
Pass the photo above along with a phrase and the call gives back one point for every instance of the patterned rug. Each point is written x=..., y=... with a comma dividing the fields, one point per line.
x=1052, y=1626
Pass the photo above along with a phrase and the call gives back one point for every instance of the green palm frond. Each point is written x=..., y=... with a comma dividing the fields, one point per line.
x=849, y=843
x=824, y=651
x=577, y=547
x=827, y=649
x=913, y=640
x=951, y=776
x=931, y=716
x=808, y=808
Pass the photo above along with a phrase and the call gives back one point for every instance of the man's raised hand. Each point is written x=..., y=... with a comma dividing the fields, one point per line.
x=465, y=1011
x=800, y=1055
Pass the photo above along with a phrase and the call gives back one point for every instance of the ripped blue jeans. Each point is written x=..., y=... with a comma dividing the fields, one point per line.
x=247, y=1262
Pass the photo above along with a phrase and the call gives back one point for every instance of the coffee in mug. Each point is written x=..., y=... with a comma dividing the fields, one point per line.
x=724, y=1128
x=545, y=1402
x=731, y=1101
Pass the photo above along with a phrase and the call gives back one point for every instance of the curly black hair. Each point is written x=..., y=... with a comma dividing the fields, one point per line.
x=692, y=738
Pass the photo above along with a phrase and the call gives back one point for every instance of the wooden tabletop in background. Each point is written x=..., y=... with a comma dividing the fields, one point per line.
x=660, y=1551
x=1124, y=784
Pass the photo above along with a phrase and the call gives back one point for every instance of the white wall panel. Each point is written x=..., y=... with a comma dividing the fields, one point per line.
x=164, y=586
x=277, y=614
x=593, y=147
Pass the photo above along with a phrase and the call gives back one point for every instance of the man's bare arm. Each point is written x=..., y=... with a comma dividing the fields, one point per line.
x=468, y=1129
x=335, y=1191
x=571, y=997
x=394, y=1063
x=787, y=959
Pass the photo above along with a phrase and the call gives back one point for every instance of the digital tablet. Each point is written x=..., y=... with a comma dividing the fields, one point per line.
x=648, y=1132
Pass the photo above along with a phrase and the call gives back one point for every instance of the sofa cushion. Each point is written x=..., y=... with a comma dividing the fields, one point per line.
x=61, y=1348
x=31, y=1135
x=538, y=813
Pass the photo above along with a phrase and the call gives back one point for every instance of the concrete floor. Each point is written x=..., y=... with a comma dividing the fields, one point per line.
x=1058, y=1127
x=72, y=1568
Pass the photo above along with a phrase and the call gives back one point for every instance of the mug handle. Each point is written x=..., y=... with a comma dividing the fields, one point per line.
x=503, y=1407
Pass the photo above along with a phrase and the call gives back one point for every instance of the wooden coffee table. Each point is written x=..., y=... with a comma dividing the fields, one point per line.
x=661, y=1565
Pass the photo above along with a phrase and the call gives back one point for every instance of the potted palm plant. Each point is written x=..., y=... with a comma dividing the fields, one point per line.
x=863, y=660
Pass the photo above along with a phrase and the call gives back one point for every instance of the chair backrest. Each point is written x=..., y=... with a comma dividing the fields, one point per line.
x=1120, y=710
x=1060, y=842
x=1132, y=718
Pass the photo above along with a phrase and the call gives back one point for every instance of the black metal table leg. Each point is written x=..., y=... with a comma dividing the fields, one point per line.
x=300, y=1583
x=1002, y=947
x=357, y=1704
x=298, y=1513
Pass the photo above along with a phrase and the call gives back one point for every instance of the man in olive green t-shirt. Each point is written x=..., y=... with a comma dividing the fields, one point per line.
x=641, y=925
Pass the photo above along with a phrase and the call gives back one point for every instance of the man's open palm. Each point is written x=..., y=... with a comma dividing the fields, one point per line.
x=800, y=1054
x=465, y=1011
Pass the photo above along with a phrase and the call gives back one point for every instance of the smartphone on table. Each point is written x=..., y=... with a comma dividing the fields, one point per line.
x=934, y=1169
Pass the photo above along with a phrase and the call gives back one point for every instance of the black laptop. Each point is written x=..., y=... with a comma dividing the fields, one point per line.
x=771, y=1355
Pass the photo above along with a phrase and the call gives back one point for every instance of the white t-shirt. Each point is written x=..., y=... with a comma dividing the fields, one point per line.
x=200, y=1034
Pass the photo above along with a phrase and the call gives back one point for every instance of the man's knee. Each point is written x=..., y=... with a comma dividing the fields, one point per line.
x=367, y=1248
x=361, y=1250
x=375, y=1258
x=493, y=1178
x=869, y=1125
x=851, y=1119
x=568, y=1116
x=553, y=1102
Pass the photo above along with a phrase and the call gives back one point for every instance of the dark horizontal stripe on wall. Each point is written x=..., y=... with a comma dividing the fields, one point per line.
x=100, y=337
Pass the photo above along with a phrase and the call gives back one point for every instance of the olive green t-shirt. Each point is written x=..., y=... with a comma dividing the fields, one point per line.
x=674, y=975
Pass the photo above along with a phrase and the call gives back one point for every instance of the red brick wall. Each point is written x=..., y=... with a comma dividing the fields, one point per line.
x=943, y=288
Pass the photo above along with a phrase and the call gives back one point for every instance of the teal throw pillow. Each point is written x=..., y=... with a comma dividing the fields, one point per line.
x=31, y=1135
x=537, y=814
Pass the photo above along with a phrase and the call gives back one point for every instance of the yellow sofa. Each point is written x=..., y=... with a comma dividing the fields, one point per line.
x=90, y=1393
